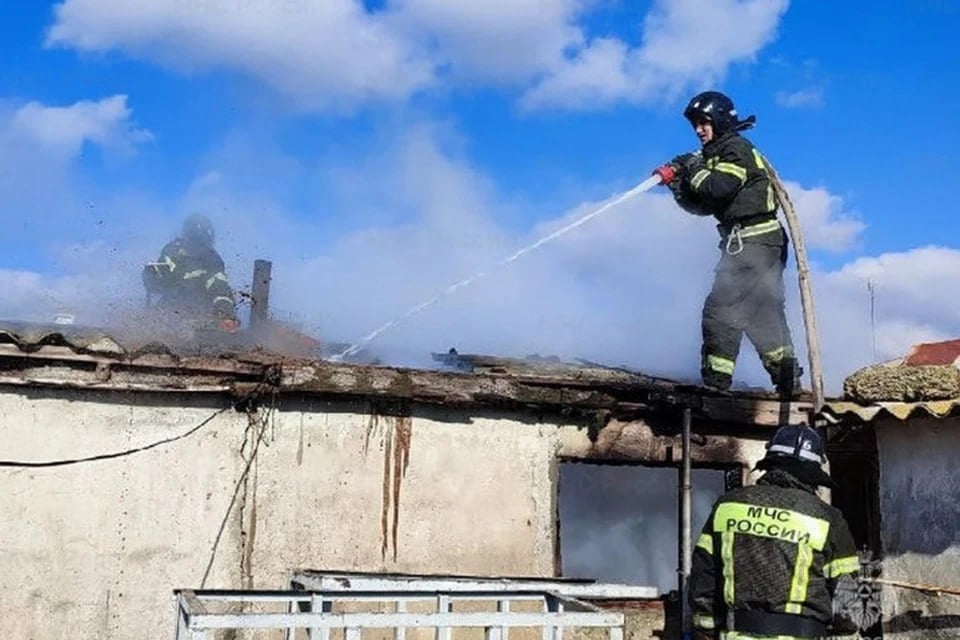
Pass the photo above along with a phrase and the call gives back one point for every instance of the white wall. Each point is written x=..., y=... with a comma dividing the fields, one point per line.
x=94, y=550
x=920, y=512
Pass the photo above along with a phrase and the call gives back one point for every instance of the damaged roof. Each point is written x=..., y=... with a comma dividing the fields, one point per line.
x=84, y=358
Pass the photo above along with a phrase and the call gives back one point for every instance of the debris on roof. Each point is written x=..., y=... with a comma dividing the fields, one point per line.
x=903, y=383
x=928, y=373
x=82, y=359
x=925, y=383
x=545, y=366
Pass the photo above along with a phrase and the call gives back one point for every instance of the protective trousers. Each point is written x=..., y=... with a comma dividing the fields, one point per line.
x=748, y=297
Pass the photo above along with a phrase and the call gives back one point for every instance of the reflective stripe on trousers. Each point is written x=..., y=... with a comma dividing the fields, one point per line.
x=720, y=364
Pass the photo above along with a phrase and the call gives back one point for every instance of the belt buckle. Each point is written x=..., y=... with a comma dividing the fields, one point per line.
x=734, y=239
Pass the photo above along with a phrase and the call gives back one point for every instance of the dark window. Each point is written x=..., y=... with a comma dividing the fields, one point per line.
x=619, y=523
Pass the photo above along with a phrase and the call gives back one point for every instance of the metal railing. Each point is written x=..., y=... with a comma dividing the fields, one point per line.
x=312, y=580
x=200, y=613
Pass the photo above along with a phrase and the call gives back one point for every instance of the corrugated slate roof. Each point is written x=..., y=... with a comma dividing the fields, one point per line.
x=30, y=337
x=841, y=411
x=131, y=341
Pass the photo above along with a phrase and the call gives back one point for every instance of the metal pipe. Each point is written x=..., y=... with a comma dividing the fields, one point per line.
x=685, y=549
x=260, y=293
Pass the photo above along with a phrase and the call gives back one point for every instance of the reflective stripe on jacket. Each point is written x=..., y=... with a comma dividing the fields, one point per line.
x=733, y=183
x=774, y=547
x=193, y=276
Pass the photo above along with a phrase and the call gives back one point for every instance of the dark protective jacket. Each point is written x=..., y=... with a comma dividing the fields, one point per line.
x=190, y=279
x=768, y=560
x=733, y=185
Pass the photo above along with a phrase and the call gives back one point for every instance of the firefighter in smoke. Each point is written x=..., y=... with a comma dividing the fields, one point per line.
x=770, y=555
x=728, y=179
x=190, y=280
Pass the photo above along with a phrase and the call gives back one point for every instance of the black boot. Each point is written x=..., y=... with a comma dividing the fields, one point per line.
x=716, y=381
x=787, y=378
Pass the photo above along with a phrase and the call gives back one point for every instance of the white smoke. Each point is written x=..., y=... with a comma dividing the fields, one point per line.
x=414, y=217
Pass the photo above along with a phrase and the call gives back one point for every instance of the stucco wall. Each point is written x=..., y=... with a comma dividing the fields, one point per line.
x=920, y=507
x=93, y=550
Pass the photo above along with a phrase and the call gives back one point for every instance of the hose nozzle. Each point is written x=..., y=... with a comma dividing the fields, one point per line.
x=667, y=173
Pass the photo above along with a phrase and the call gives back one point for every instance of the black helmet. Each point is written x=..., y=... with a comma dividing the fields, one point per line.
x=800, y=443
x=198, y=229
x=719, y=110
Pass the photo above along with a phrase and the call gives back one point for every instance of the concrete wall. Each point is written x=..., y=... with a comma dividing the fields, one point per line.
x=93, y=550
x=920, y=507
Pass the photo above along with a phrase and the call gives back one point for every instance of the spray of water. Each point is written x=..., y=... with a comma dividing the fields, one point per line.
x=646, y=185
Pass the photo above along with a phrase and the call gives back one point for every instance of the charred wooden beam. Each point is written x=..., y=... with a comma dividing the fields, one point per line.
x=594, y=393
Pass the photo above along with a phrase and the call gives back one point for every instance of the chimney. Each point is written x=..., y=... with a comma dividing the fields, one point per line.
x=260, y=294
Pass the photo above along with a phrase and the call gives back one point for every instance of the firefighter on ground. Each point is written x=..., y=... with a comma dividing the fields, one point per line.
x=770, y=555
x=728, y=179
x=190, y=280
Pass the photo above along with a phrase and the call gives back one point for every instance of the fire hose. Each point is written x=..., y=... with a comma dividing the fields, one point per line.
x=936, y=589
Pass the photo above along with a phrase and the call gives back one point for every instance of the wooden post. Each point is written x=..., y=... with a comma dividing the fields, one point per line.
x=685, y=546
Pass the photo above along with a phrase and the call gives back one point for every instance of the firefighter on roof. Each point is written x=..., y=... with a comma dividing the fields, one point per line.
x=770, y=555
x=190, y=279
x=728, y=180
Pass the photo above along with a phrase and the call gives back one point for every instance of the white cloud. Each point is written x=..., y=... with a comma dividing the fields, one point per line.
x=106, y=122
x=596, y=78
x=825, y=223
x=918, y=283
x=916, y=296
x=895, y=337
x=323, y=53
x=46, y=204
x=497, y=40
x=685, y=44
x=337, y=54
x=808, y=97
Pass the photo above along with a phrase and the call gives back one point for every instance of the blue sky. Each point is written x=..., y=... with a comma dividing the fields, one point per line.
x=377, y=152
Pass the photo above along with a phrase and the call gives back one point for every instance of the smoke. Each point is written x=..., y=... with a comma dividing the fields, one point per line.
x=619, y=523
x=358, y=239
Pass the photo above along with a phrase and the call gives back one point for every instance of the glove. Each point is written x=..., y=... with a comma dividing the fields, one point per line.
x=681, y=167
x=677, y=188
x=687, y=164
x=229, y=325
